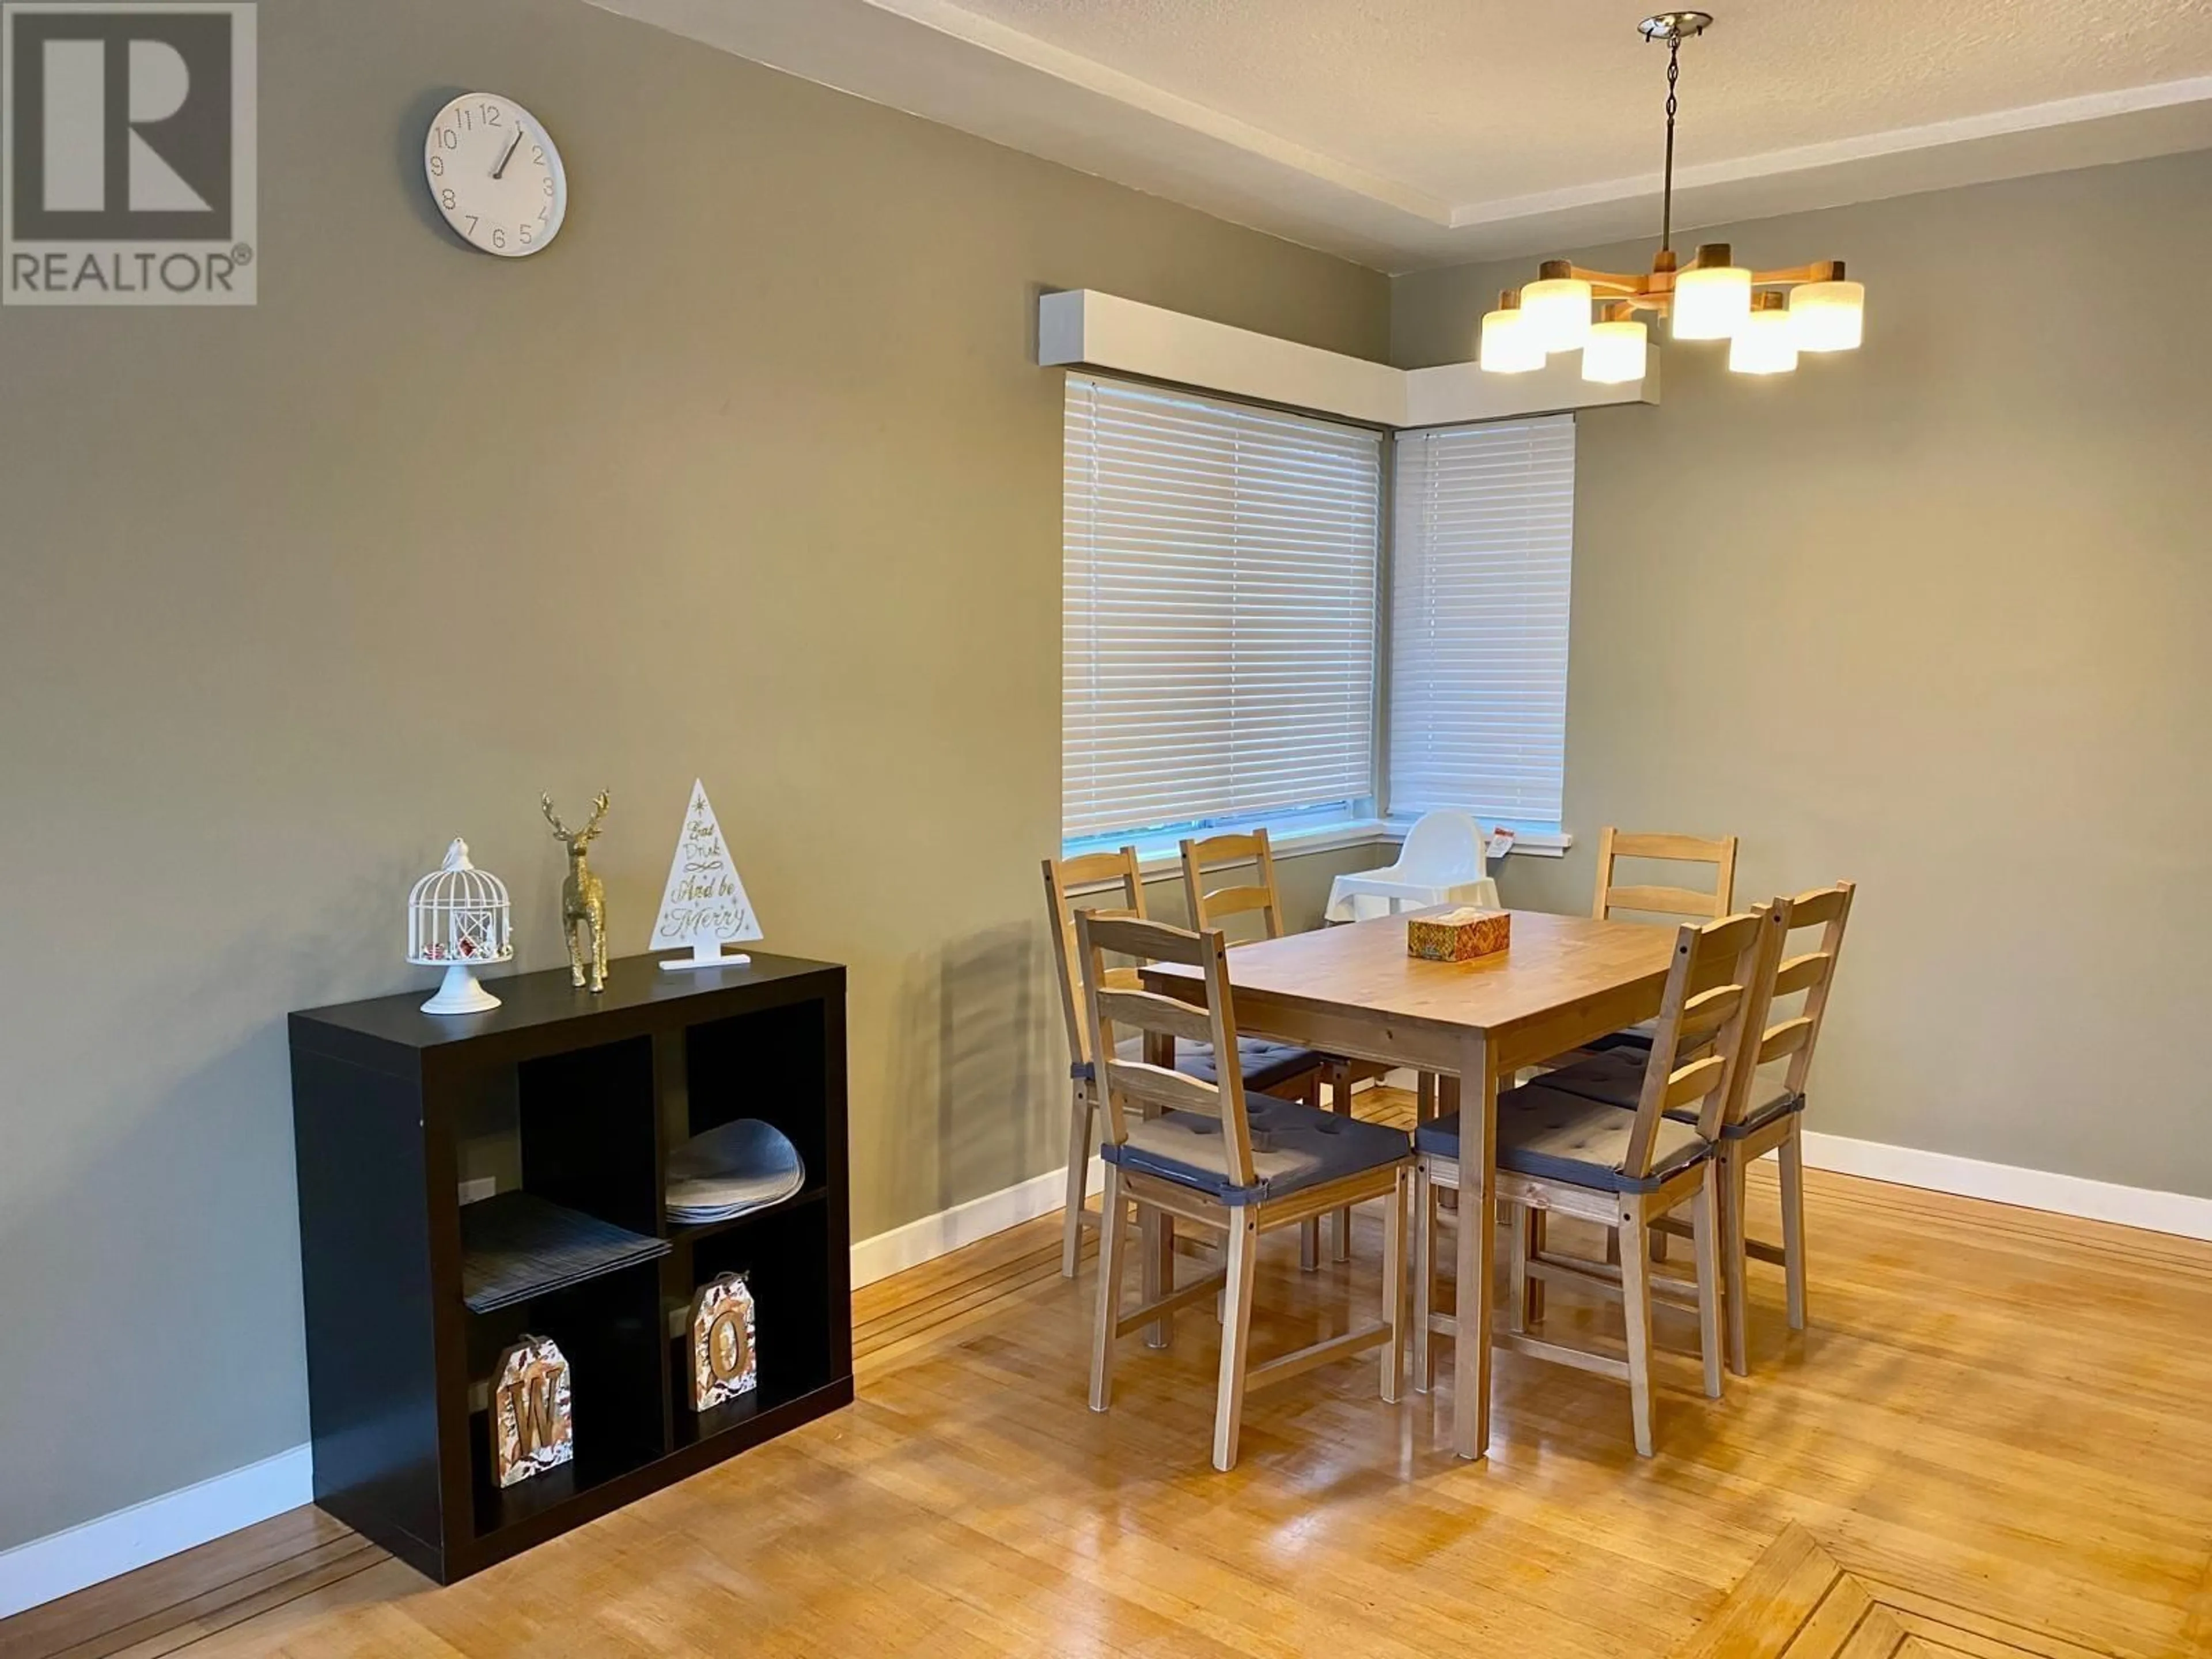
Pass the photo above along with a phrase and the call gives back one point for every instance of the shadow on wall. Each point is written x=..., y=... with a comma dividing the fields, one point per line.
x=989, y=1072
x=972, y=1084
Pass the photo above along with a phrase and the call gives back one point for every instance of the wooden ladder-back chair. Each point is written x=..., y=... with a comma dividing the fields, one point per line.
x=1185, y=1148
x=1563, y=1153
x=1701, y=905
x=1692, y=903
x=1272, y=1067
x=1211, y=909
x=1765, y=1112
x=1063, y=877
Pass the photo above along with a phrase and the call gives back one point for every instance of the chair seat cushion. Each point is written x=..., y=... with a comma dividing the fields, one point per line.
x=1636, y=1039
x=1293, y=1147
x=1616, y=1077
x=1265, y=1064
x=1554, y=1136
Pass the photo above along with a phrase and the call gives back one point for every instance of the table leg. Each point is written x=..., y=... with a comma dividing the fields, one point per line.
x=1340, y=1101
x=1477, y=1223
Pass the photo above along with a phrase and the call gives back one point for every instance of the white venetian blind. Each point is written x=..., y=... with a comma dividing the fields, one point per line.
x=1218, y=613
x=1483, y=554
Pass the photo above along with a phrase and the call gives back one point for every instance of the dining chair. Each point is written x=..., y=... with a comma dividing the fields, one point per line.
x=1703, y=904
x=1217, y=1157
x=1210, y=908
x=1563, y=1154
x=1270, y=1068
x=1766, y=1112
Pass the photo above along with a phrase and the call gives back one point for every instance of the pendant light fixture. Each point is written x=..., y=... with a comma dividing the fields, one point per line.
x=1767, y=317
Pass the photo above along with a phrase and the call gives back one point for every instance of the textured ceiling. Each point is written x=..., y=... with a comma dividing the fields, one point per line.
x=1473, y=100
x=1410, y=132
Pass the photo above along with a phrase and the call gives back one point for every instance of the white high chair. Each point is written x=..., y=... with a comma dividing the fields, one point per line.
x=1441, y=863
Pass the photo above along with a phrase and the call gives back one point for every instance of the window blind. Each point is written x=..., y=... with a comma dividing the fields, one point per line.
x=1482, y=559
x=1219, y=608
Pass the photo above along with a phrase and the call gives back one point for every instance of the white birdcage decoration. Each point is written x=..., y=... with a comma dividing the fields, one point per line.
x=458, y=918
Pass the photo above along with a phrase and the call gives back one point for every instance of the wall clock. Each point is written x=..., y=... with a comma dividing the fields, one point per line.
x=496, y=175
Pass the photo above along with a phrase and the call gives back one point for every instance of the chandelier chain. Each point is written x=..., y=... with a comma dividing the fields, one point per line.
x=1674, y=103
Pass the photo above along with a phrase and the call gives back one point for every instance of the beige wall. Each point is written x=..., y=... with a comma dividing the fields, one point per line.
x=751, y=476
x=1933, y=616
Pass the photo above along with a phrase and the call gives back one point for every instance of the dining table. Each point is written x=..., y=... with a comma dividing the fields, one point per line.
x=1354, y=991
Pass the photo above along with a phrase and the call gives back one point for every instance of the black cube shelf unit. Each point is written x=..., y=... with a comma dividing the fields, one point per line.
x=577, y=1100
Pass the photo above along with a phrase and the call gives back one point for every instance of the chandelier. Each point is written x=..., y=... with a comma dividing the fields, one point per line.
x=1767, y=317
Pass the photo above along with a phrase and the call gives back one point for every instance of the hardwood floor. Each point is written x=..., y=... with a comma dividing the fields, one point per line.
x=1998, y=1432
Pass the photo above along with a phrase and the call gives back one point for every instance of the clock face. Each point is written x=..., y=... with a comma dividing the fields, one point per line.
x=496, y=176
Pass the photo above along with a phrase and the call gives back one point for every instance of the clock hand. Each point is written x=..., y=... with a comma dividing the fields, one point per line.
x=500, y=172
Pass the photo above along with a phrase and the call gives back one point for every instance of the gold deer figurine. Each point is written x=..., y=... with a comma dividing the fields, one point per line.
x=583, y=896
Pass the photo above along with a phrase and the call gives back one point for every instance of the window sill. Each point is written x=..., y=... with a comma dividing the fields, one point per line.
x=1536, y=843
x=1163, y=856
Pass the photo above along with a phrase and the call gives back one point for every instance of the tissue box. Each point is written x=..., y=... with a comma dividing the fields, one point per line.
x=1459, y=935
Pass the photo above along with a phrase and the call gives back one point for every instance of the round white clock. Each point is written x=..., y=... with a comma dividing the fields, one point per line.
x=496, y=175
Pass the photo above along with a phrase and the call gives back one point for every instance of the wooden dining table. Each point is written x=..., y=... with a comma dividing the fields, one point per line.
x=1353, y=991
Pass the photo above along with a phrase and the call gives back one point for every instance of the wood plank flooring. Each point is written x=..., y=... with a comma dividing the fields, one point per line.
x=1998, y=1437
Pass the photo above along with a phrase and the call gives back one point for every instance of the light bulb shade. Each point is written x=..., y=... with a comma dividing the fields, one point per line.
x=1828, y=316
x=1509, y=347
x=1711, y=302
x=1558, y=310
x=1765, y=344
x=1615, y=352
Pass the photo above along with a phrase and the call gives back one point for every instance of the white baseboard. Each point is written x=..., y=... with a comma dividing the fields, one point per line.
x=963, y=1223
x=2004, y=1183
x=113, y=1544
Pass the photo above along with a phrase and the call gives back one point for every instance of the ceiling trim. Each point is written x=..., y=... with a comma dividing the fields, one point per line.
x=2095, y=107
x=941, y=61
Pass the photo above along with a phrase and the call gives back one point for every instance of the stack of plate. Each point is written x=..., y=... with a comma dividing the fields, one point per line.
x=742, y=1166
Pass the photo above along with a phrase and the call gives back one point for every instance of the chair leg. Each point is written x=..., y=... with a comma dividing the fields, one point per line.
x=1425, y=1280
x=1735, y=1292
x=1236, y=1338
x=1425, y=1098
x=1705, y=1244
x=1635, y=1308
x=1078, y=1171
x=1393, y=1286
x=1518, y=1281
x=1658, y=1245
x=1110, y=1232
x=1158, y=1271
x=1539, y=1242
x=1791, y=1156
x=1340, y=1101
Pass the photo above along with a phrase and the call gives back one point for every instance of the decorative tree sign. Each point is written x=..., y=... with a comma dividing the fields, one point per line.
x=705, y=906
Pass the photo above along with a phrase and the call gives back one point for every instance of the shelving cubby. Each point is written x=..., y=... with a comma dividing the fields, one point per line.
x=567, y=1104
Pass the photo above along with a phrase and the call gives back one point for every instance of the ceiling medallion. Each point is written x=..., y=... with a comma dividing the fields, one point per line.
x=1767, y=317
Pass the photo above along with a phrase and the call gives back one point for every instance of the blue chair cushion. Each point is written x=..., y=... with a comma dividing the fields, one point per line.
x=1293, y=1147
x=1616, y=1077
x=1265, y=1064
x=1580, y=1142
